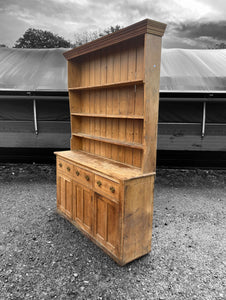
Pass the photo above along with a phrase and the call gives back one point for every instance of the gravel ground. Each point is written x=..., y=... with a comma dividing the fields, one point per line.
x=42, y=256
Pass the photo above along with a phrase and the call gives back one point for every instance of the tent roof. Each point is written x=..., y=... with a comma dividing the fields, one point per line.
x=182, y=70
x=186, y=70
x=33, y=69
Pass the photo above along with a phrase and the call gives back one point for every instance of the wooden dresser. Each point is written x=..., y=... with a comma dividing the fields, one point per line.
x=105, y=183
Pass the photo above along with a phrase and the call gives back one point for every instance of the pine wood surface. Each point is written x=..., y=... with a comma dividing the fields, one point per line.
x=115, y=213
x=104, y=166
x=109, y=87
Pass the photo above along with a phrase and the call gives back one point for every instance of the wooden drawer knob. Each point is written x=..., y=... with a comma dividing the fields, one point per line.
x=99, y=183
x=87, y=177
x=112, y=189
x=77, y=173
x=69, y=169
x=60, y=165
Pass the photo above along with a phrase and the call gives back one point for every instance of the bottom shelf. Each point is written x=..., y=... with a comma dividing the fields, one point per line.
x=121, y=153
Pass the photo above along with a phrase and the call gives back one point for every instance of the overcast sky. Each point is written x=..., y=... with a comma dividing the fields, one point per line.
x=190, y=23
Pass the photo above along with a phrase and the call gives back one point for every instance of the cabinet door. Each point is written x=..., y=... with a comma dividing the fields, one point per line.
x=82, y=206
x=106, y=225
x=64, y=195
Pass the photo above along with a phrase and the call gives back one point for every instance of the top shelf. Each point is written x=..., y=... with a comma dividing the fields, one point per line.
x=108, y=85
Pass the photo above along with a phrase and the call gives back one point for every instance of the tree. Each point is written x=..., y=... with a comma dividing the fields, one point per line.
x=220, y=46
x=110, y=30
x=36, y=38
x=87, y=36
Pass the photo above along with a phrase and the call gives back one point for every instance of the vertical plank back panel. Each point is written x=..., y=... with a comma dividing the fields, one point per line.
x=74, y=73
x=140, y=59
x=85, y=80
x=118, y=106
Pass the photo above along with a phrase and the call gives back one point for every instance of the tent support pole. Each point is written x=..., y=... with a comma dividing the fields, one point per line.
x=203, y=119
x=35, y=117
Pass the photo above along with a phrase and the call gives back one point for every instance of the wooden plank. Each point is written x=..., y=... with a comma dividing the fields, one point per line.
x=131, y=101
x=116, y=116
x=75, y=101
x=109, y=110
x=91, y=71
x=129, y=138
x=110, y=141
x=79, y=203
x=112, y=224
x=97, y=137
x=97, y=69
x=103, y=134
x=132, y=63
x=91, y=120
x=115, y=133
x=85, y=71
x=137, y=158
x=122, y=137
x=138, y=217
x=139, y=101
x=108, y=136
x=103, y=68
x=123, y=101
x=110, y=84
x=140, y=59
x=101, y=218
x=151, y=100
x=87, y=209
x=74, y=72
x=124, y=64
x=85, y=101
x=110, y=69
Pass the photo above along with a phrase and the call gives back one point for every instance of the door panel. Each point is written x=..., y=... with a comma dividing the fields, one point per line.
x=82, y=212
x=106, y=228
x=64, y=195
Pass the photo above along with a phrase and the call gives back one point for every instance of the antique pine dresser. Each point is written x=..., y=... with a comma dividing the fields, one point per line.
x=105, y=182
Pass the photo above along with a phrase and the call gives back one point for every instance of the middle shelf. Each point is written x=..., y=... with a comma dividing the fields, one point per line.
x=108, y=140
x=108, y=85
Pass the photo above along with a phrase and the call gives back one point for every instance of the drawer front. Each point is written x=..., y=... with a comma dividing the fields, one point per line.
x=83, y=176
x=107, y=187
x=65, y=166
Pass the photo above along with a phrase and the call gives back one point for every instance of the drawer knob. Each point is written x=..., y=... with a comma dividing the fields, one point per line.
x=69, y=169
x=99, y=183
x=87, y=177
x=112, y=189
x=60, y=165
x=77, y=173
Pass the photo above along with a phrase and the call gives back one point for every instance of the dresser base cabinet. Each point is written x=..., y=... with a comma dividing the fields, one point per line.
x=110, y=207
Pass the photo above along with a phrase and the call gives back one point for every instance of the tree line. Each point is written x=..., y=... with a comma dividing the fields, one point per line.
x=37, y=38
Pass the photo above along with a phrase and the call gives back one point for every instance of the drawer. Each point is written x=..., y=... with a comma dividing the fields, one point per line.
x=64, y=166
x=83, y=176
x=107, y=186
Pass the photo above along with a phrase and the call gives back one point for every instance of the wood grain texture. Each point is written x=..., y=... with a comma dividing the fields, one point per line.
x=137, y=219
x=151, y=100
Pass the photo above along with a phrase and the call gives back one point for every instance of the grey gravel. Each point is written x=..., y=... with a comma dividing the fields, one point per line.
x=43, y=256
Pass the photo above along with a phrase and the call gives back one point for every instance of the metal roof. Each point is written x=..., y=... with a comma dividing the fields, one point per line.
x=182, y=70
